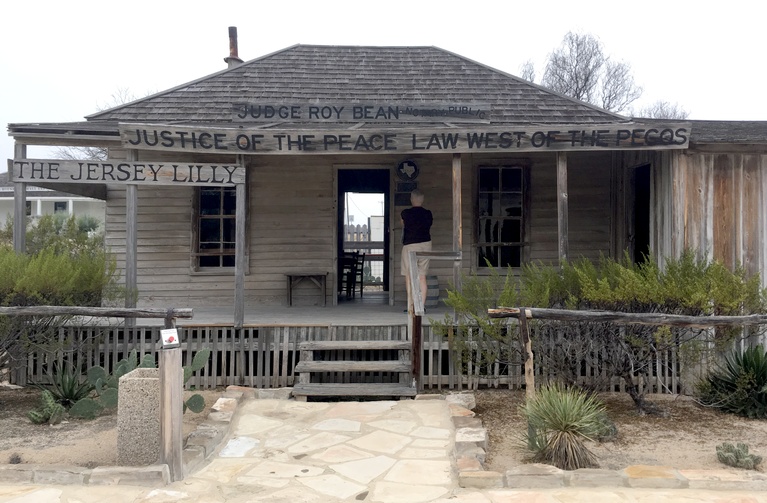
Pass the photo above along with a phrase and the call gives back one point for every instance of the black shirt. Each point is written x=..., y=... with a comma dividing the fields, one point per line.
x=417, y=225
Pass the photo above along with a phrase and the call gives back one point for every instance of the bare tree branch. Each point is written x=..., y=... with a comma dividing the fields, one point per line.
x=580, y=69
x=527, y=71
x=662, y=110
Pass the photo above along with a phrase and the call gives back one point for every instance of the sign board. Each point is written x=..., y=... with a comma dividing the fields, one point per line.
x=476, y=139
x=115, y=171
x=169, y=338
x=361, y=112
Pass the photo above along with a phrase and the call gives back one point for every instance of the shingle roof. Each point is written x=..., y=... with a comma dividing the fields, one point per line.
x=316, y=74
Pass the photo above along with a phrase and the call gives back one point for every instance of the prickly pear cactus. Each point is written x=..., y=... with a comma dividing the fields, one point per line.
x=50, y=411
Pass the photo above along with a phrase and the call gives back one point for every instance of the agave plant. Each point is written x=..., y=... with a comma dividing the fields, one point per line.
x=739, y=385
x=67, y=386
x=560, y=420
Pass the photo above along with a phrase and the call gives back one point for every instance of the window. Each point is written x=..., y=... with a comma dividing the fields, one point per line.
x=59, y=206
x=216, y=227
x=29, y=208
x=501, y=216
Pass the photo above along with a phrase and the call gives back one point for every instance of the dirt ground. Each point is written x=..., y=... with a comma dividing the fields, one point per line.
x=685, y=439
x=86, y=443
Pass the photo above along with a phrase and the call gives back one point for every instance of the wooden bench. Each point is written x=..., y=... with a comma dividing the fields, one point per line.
x=318, y=278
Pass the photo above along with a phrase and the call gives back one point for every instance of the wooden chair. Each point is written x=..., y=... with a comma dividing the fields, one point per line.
x=347, y=273
x=359, y=274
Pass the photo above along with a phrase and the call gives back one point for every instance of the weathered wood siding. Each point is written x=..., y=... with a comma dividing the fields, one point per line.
x=713, y=203
x=292, y=222
x=589, y=202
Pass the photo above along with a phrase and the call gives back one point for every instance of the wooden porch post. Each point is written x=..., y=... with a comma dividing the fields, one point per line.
x=457, y=223
x=131, y=243
x=20, y=206
x=562, y=218
x=239, y=252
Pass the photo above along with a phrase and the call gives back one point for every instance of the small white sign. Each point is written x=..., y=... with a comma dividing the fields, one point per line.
x=169, y=337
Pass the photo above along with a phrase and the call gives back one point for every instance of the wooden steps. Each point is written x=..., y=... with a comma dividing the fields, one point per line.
x=354, y=368
x=366, y=390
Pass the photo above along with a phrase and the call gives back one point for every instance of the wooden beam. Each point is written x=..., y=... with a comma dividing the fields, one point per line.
x=96, y=312
x=19, y=207
x=239, y=253
x=674, y=320
x=457, y=221
x=562, y=207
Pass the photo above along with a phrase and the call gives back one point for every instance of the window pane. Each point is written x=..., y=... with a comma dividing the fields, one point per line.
x=227, y=261
x=488, y=179
x=488, y=230
x=210, y=201
x=489, y=205
x=511, y=204
x=210, y=262
x=487, y=254
x=511, y=232
x=210, y=230
x=511, y=180
x=230, y=202
x=230, y=229
x=511, y=256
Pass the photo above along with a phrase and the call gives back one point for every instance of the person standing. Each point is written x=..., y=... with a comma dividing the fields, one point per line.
x=416, y=236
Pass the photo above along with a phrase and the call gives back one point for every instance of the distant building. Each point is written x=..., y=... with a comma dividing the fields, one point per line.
x=41, y=201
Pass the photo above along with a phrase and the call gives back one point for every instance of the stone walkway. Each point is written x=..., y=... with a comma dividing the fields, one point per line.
x=302, y=452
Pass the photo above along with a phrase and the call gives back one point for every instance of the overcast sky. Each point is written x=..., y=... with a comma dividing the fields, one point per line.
x=61, y=61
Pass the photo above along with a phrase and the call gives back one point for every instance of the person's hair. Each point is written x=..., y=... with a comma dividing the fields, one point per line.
x=416, y=197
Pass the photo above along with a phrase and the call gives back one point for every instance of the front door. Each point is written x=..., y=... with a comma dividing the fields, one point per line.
x=363, y=227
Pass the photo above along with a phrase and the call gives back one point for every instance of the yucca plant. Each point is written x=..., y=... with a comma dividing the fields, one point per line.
x=739, y=385
x=560, y=420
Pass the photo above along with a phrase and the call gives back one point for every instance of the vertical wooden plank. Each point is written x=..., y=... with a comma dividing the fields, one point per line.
x=562, y=208
x=285, y=353
x=171, y=409
x=259, y=370
x=20, y=206
x=724, y=226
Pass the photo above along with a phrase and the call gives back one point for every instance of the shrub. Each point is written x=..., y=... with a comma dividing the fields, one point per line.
x=739, y=385
x=560, y=421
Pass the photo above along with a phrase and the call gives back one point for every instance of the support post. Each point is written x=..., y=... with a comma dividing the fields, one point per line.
x=417, y=350
x=131, y=244
x=562, y=217
x=239, y=253
x=171, y=409
x=20, y=206
x=457, y=222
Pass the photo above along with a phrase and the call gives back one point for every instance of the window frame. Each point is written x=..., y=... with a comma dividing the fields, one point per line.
x=525, y=218
x=197, y=218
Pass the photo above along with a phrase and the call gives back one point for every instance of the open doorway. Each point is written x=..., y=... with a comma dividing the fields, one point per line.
x=363, y=234
x=641, y=183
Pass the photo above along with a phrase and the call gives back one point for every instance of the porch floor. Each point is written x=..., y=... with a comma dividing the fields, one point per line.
x=372, y=310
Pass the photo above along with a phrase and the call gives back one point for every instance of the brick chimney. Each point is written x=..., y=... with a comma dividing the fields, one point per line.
x=233, y=59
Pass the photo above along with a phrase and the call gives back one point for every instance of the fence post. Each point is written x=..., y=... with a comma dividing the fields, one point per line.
x=171, y=403
x=529, y=363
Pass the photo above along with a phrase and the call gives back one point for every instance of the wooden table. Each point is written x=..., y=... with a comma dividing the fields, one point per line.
x=318, y=278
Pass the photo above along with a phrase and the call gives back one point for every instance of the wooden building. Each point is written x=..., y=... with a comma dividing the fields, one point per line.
x=217, y=188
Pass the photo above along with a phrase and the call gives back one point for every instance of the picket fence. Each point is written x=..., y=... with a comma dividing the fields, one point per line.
x=266, y=356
